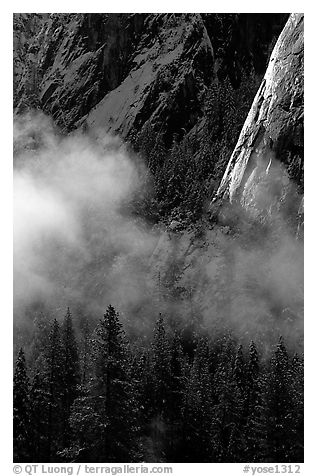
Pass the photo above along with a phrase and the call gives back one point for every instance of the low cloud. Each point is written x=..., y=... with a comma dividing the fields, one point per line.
x=71, y=231
x=77, y=244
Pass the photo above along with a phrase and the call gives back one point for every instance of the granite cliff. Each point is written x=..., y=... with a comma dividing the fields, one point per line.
x=266, y=169
x=119, y=72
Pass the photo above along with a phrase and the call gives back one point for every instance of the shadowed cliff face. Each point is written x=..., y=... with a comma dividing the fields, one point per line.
x=265, y=171
x=166, y=82
x=120, y=72
x=26, y=27
x=77, y=58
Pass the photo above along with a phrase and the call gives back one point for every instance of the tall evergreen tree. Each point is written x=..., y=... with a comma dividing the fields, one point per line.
x=280, y=406
x=55, y=379
x=71, y=372
x=105, y=416
x=239, y=370
x=39, y=410
x=198, y=408
x=176, y=400
x=161, y=367
x=40, y=338
x=160, y=387
x=177, y=377
x=86, y=330
x=297, y=371
x=254, y=411
x=227, y=422
x=21, y=411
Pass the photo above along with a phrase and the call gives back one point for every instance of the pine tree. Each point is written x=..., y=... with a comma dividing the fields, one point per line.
x=198, y=408
x=85, y=328
x=254, y=410
x=71, y=372
x=280, y=406
x=40, y=338
x=161, y=368
x=21, y=411
x=297, y=372
x=160, y=388
x=177, y=377
x=104, y=416
x=175, y=401
x=55, y=379
x=239, y=369
x=142, y=376
x=253, y=365
x=39, y=411
x=227, y=422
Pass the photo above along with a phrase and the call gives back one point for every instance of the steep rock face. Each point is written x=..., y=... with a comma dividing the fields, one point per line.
x=166, y=82
x=270, y=149
x=26, y=27
x=73, y=60
x=139, y=69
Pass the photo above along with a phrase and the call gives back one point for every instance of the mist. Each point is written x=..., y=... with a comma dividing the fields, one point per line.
x=77, y=244
x=73, y=236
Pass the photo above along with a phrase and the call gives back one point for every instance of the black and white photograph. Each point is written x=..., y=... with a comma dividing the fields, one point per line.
x=158, y=239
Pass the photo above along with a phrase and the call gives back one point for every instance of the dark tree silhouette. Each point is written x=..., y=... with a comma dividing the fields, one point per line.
x=21, y=411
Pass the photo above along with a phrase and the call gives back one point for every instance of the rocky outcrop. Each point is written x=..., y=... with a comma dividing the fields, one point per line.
x=166, y=83
x=74, y=53
x=121, y=72
x=265, y=171
x=26, y=28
